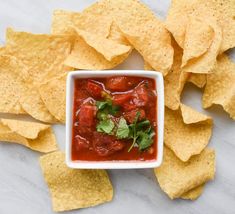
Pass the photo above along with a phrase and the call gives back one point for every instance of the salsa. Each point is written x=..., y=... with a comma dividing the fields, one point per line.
x=114, y=118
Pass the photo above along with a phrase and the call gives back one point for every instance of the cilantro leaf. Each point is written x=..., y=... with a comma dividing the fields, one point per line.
x=122, y=129
x=144, y=140
x=105, y=126
x=102, y=104
x=107, y=107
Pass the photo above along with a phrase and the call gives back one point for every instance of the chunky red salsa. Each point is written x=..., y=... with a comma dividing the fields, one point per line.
x=114, y=118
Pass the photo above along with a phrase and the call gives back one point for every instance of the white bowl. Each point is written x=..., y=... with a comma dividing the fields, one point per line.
x=114, y=164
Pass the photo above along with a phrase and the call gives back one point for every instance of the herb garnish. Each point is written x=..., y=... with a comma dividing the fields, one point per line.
x=140, y=132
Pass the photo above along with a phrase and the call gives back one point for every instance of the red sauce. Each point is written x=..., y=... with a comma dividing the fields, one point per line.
x=131, y=94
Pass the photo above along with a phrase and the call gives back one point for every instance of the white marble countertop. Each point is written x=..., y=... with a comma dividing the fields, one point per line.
x=22, y=187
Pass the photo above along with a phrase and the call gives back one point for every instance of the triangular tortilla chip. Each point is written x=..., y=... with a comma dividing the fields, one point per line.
x=177, y=178
x=187, y=132
x=74, y=188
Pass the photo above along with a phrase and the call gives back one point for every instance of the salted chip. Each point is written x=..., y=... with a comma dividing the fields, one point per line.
x=85, y=57
x=138, y=24
x=220, y=87
x=222, y=11
x=43, y=54
x=197, y=79
x=36, y=136
x=194, y=193
x=12, y=85
x=33, y=104
x=176, y=177
x=74, y=188
x=108, y=48
x=62, y=22
x=53, y=94
x=198, y=38
x=187, y=132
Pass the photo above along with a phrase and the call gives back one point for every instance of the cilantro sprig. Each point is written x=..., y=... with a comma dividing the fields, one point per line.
x=140, y=132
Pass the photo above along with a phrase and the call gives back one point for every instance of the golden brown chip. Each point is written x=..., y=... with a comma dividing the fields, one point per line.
x=177, y=178
x=220, y=87
x=187, y=132
x=12, y=85
x=139, y=25
x=74, y=188
x=36, y=136
x=62, y=22
x=197, y=79
x=53, y=94
x=222, y=11
x=43, y=55
x=194, y=193
x=85, y=57
x=108, y=48
x=198, y=38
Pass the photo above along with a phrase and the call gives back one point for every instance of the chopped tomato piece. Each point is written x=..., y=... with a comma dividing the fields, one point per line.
x=86, y=115
x=105, y=145
x=130, y=116
x=95, y=89
x=81, y=143
x=140, y=96
x=117, y=83
x=119, y=99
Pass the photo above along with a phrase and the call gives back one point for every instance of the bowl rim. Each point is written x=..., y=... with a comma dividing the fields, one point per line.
x=69, y=119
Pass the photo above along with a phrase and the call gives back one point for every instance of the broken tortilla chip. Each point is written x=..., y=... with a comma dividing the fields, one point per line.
x=177, y=178
x=42, y=54
x=194, y=193
x=193, y=131
x=36, y=136
x=74, y=188
x=53, y=94
x=12, y=74
x=220, y=87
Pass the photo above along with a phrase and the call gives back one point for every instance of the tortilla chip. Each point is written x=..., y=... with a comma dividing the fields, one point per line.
x=42, y=54
x=207, y=62
x=187, y=132
x=62, y=22
x=198, y=38
x=33, y=104
x=194, y=193
x=116, y=35
x=220, y=87
x=176, y=177
x=174, y=81
x=197, y=79
x=25, y=129
x=36, y=136
x=12, y=84
x=85, y=57
x=143, y=30
x=222, y=11
x=108, y=48
x=74, y=188
x=53, y=94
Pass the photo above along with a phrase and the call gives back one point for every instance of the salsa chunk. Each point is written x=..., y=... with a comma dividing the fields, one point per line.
x=114, y=119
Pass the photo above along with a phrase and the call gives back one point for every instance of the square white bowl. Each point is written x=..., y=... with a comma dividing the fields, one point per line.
x=157, y=76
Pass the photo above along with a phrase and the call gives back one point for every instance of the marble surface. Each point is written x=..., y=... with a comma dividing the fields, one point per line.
x=22, y=188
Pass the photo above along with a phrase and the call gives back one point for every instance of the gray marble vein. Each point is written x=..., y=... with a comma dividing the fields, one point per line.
x=22, y=188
